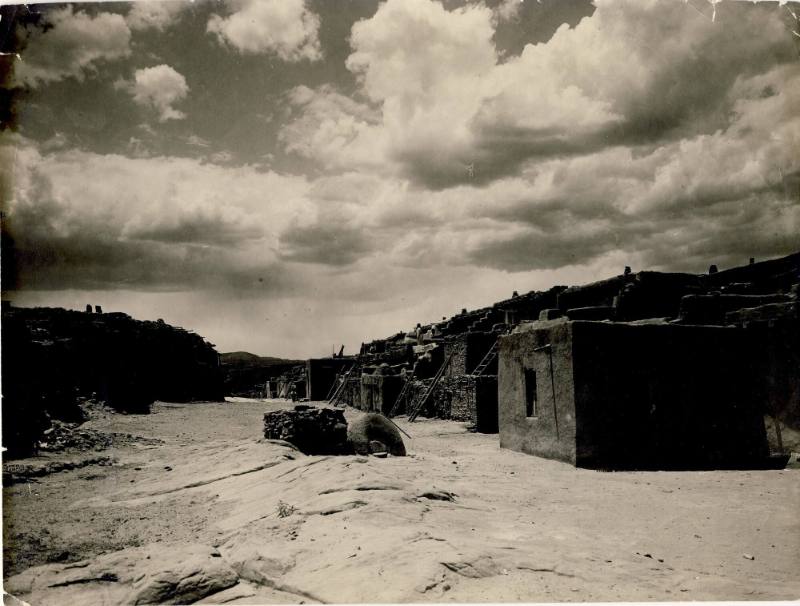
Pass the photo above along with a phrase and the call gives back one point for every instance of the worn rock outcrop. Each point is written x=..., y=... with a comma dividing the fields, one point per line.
x=156, y=574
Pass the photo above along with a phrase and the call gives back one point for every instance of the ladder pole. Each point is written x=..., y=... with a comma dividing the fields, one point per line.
x=487, y=359
x=401, y=395
x=332, y=401
x=396, y=425
x=333, y=386
x=428, y=393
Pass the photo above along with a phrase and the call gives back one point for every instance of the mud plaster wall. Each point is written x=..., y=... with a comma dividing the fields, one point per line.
x=379, y=392
x=665, y=396
x=551, y=432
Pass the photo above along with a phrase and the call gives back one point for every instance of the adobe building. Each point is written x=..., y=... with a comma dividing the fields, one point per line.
x=632, y=396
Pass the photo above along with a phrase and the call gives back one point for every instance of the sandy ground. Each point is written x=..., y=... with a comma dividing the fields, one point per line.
x=458, y=520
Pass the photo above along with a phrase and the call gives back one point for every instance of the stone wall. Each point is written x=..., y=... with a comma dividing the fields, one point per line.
x=468, y=349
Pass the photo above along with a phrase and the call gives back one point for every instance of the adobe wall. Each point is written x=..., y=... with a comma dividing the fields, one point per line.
x=379, y=392
x=666, y=397
x=550, y=432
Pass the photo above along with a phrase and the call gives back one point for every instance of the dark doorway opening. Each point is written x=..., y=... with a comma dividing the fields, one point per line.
x=531, y=394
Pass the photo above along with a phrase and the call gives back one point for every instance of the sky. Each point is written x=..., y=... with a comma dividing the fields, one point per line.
x=286, y=176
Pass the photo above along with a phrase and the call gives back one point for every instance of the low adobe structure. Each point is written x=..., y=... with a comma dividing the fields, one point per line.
x=632, y=396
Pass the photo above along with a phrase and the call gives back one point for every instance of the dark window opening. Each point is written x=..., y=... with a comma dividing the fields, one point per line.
x=530, y=393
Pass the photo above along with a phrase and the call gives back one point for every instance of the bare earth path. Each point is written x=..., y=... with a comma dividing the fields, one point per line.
x=198, y=518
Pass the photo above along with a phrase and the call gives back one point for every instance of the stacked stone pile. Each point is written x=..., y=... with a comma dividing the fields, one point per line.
x=314, y=431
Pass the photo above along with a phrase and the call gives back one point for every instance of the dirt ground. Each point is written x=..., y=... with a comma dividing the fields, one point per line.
x=458, y=520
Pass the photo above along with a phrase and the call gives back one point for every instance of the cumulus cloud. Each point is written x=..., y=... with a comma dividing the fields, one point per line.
x=154, y=14
x=633, y=73
x=70, y=44
x=722, y=197
x=283, y=27
x=331, y=128
x=158, y=88
x=508, y=9
x=148, y=223
x=681, y=204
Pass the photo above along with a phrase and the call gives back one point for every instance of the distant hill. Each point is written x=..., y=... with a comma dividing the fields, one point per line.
x=244, y=373
x=245, y=358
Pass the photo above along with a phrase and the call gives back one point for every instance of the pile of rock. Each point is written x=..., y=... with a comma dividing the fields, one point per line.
x=63, y=436
x=314, y=431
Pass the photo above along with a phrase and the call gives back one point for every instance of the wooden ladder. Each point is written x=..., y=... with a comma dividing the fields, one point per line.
x=403, y=393
x=340, y=389
x=487, y=359
x=416, y=407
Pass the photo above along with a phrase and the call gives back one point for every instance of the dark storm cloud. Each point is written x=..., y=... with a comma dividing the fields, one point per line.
x=331, y=244
x=540, y=250
x=47, y=261
x=199, y=228
x=81, y=220
x=41, y=258
x=693, y=232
